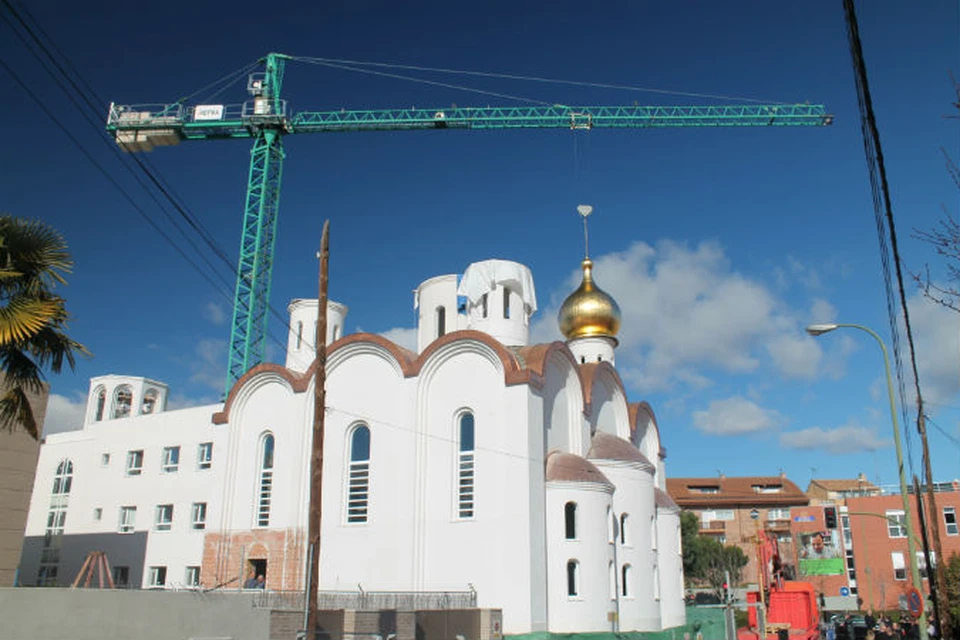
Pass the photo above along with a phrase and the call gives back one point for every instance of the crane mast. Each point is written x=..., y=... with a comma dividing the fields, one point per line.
x=266, y=119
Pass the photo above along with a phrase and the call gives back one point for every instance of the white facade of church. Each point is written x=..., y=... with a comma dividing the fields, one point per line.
x=479, y=463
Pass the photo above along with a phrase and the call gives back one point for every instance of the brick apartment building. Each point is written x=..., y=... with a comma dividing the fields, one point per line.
x=733, y=509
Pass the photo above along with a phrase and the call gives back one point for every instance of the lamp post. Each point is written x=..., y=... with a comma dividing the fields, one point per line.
x=820, y=329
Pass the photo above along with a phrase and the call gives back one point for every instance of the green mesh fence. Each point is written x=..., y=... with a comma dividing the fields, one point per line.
x=707, y=621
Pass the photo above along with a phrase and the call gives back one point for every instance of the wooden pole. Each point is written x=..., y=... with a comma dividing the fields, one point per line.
x=938, y=577
x=316, y=456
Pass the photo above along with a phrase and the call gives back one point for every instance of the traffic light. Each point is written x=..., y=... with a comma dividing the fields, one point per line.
x=830, y=517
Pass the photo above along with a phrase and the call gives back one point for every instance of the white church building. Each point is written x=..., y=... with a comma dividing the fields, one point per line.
x=482, y=462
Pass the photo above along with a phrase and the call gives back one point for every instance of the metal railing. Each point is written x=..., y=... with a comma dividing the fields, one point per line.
x=370, y=600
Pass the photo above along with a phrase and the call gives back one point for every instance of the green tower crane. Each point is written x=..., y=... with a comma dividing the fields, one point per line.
x=266, y=119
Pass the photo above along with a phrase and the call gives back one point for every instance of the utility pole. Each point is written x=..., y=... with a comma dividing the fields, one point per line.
x=925, y=520
x=938, y=578
x=316, y=453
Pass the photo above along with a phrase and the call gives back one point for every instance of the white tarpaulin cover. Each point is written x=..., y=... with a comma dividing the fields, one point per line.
x=483, y=277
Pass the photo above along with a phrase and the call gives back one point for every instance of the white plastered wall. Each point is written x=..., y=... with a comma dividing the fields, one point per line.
x=589, y=610
x=672, y=607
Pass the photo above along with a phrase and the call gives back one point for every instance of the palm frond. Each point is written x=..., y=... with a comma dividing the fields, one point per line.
x=23, y=317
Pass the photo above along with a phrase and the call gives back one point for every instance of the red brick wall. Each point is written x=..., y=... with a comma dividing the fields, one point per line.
x=226, y=557
x=873, y=545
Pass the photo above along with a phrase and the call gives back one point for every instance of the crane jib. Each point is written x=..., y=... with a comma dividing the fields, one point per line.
x=142, y=128
x=266, y=119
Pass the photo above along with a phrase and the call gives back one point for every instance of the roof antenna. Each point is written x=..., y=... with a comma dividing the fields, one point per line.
x=585, y=210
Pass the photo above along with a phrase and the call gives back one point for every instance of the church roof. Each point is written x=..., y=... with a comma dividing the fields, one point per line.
x=606, y=446
x=567, y=467
x=663, y=499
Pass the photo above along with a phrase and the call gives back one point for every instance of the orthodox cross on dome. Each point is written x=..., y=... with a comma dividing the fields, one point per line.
x=585, y=210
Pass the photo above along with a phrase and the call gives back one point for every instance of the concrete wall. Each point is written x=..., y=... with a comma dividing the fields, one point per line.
x=18, y=463
x=93, y=614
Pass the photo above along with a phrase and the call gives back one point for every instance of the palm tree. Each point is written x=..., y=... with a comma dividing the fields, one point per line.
x=33, y=261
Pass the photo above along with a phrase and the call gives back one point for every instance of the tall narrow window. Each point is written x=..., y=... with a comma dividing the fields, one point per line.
x=570, y=520
x=49, y=566
x=63, y=480
x=653, y=532
x=149, y=404
x=623, y=528
x=465, y=467
x=299, y=334
x=101, y=402
x=265, y=486
x=625, y=581
x=122, y=401
x=656, y=581
x=612, y=571
x=358, y=481
x=205, y=455
x=483, y=302
x=441, y=321
x=506, y=303
x=611, y=526
x=572, y=578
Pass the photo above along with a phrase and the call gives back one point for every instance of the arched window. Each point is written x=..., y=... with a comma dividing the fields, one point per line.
x=483, y=302
x=101, y=395
x=506, y=303
x=570, y=520
x=613, y=580
x=358, y=482
x=149, y=404
x=441, y=321
x=573, y=568
x=623, y=528
x=611, y=526
x=625, y=580
x=336, y=332
x=122, y=401
x=63, y=479
x=653, y=532
x=465, y=466
x=265, y=485
x=656, y=580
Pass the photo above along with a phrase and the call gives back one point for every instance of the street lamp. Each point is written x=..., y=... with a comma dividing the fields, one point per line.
x=819, y=330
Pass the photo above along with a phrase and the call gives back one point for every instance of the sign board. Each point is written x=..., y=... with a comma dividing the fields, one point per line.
x=803, y=518
x=844, y=591
x=208, y=112
x=914, y=602
x=754, y=514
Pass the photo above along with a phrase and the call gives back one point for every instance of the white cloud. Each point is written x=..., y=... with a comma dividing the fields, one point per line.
x=214, y=313
x=822, y=311
x=209, y=365
x=686, y=311
x=735, y=416
x=406, y=338
x=841, y=440
x=63, y=414
x=936, y=332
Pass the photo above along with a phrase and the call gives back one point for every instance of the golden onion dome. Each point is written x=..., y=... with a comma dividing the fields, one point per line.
x=589, y=311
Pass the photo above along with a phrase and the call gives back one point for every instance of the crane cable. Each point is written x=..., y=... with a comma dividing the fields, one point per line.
x=150, y=172
x=510, y=76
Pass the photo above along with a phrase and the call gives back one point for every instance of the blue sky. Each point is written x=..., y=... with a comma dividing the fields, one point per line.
x=720, y=245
